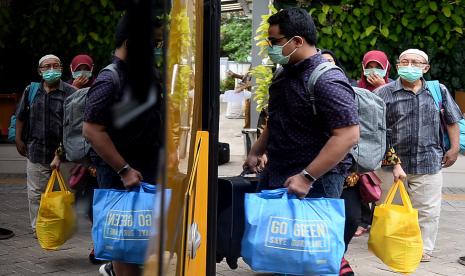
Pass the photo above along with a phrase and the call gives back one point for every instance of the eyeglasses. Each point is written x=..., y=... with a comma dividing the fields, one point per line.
x=273, y=41
x=46, y=67
x=416, y=63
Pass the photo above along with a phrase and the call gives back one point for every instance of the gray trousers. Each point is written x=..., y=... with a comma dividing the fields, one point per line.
x=425, y=191
x=37, y=179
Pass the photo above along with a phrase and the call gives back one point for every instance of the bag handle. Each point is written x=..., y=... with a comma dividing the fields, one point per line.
x=278, y=193
x=274, y=193
x=145, y=188
x=51, y=182
x=403, y=194
x=56, y=175
x=61, y=182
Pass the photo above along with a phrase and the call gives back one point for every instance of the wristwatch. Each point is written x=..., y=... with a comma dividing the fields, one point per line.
x=123, y=170
x=308, y=176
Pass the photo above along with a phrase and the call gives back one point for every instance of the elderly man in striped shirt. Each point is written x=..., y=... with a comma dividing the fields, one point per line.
x=416, y=136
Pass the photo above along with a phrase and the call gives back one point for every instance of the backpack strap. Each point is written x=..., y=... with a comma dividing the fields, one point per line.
x=277, y=73
x=319, y=70
x=33, y=88
x=114, y=75
x=435, y=89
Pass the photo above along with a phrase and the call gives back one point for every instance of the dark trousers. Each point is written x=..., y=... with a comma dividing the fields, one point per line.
x=367, y=214
x=353, y=208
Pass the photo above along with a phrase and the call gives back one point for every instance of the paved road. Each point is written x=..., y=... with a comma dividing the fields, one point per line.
x=22, y=255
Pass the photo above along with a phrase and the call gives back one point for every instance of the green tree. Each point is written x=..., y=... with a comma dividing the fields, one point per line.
x=236, y=38
x=352, y=27
x=30, y=29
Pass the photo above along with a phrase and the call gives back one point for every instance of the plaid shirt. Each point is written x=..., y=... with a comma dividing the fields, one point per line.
x=45, y=121
x=415, y=125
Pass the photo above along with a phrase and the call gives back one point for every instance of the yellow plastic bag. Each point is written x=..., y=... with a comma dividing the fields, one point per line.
x=56, y=220
x=395, y=235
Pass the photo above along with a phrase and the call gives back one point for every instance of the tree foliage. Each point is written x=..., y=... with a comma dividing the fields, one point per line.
x=353, y=27
x=236, y=33
x=30, y=29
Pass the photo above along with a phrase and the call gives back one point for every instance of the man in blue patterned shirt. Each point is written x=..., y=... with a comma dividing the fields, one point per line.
x=42, y=122
x=415, y=124
x=307, y=153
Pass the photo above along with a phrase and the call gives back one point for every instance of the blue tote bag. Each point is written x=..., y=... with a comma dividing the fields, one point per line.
x=284, y=234
x=123, y=222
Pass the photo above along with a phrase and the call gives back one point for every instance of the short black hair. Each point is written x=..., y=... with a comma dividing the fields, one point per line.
x=122, y=31
x=295, y=22
x=336, y=60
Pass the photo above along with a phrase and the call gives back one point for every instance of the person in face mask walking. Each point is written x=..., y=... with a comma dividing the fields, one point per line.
x=42, y=122
x=415, y=126
x=81, y=71
x=307, y=152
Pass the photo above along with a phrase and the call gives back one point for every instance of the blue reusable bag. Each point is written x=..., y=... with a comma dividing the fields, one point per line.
x=287, y=235
x=123, y=222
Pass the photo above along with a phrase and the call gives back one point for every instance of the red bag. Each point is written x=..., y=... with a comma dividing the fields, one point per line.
x=78, y=176
x=370, y=190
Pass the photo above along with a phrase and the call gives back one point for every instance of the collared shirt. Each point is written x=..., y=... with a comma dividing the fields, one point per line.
x=44, y=121
x=296, y=135
x=138, y=142
x=414, y=121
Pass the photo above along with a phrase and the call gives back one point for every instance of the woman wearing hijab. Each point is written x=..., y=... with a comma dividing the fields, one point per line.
x=81, y=70
x=375, y=65
x=375, y=73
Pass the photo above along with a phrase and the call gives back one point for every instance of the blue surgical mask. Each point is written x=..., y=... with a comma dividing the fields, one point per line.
x=51, y=76
x=377, y=71
x=410, y=73
x=275, y=53
x=84, y=73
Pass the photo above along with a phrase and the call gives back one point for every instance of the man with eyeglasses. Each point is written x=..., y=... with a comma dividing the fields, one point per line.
x=41, y=120
x=415, y=123
x=307, y=152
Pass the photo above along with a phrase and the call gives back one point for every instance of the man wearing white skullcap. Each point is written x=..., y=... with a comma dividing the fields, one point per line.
x=39, y=128
x=416, y=135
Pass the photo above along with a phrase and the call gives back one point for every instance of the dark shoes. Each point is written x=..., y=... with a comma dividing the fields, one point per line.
x=462, y=260
x=6, y=234
x=107, y=270
x=92, y=258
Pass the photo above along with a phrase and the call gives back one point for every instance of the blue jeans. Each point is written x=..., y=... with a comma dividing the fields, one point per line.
x=329, y=185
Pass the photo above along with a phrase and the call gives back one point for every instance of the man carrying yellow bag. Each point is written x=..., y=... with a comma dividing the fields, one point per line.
x=56, y=220
x=395, y=235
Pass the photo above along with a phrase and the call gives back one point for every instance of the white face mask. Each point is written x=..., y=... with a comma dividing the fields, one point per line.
x=85, y=73
x=377, y=71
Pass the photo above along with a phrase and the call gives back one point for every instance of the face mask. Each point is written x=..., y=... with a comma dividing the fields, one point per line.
x=377, y=71
x=86, y=74
x=275, y=53
x=51, y=76
x=410, y=73
x=158, y=56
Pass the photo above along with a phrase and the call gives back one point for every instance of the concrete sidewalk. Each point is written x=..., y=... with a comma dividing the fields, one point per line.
x=22, y=255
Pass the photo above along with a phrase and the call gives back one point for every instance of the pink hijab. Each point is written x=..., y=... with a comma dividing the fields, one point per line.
x=378, y=57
